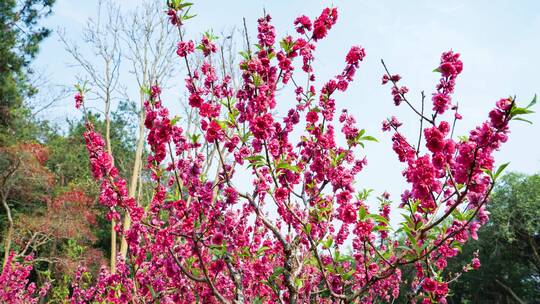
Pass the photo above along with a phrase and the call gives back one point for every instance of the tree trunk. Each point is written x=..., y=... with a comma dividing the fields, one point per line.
x=511, y=292
x=134, y=176
x=113, y=246
x=109, y=150
x=536, y=255
x=9, y=236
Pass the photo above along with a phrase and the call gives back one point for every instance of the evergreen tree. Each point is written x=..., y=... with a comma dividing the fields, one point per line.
x=20, y=36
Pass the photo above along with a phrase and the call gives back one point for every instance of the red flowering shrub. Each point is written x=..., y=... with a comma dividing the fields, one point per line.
x=26, y=183
x=212, y=238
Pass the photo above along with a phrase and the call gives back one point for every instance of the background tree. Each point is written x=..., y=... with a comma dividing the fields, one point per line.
x=103, y=37
x=144, y=39
x=507, y=247
x=24, y=183
x=20, y=35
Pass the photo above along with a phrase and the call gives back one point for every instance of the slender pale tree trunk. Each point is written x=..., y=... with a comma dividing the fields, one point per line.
x=109, y=150
x=134, y=175
x=9, y=236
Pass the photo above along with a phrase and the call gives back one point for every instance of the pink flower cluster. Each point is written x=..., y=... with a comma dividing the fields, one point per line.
x=449, y=68
x=450, y=177
x=303, y=24
x=113, y=193
x=324, y=23
x=184, y=48
x=15, y=286
x=173, y=17
x=78, y=100
x=398, y=93
x=207, y=45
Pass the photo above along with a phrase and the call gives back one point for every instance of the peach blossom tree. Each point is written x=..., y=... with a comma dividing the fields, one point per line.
x=281, y=236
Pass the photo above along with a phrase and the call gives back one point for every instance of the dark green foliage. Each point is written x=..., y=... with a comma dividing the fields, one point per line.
x=508, y=248
x=68, y=159
x=20, y=35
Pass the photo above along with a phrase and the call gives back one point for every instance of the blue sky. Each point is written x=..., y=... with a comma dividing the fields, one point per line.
x=499, y=42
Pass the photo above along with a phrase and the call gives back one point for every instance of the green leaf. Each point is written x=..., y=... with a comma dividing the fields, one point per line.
x=338, y=158
x=458, y=215
x=255, y=158
x=523, y=119
x=406, y=248
x=414, y=206
x=218, y=250
x=362, y=213
x=285, y=165
x=378, y=218
x=176, y=4
x=257, y=80
x=500, y=170
x=488, y=172
x=186, y=4
x=345, y=258
x=379, y=228
x=520, y=111
x=277, y=271
x=175, y=120
x=348, y=274
x=532, y=103
x=463, y=138
x=245, y=137
x=244, y=55
x=187, y=17
x=222, y=123
x=336, y=255
x=257, y=300
x=362, y=196
x=369, y=138
x=308, y=228
x=285, y=46
x=195, y=137
x=262, y=250
x=328, y=242
x=146, y=90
